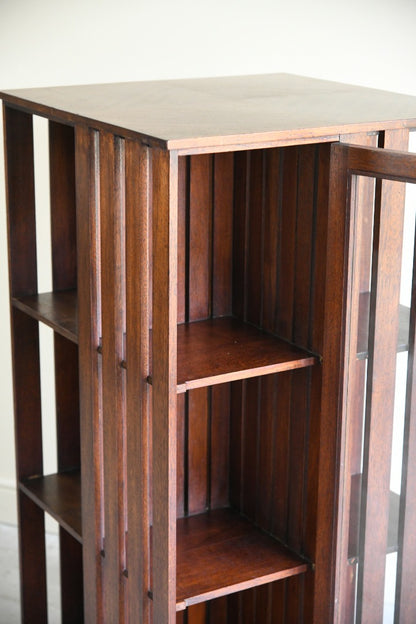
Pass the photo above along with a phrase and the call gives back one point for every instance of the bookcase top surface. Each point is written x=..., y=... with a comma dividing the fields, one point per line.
x=203, y=113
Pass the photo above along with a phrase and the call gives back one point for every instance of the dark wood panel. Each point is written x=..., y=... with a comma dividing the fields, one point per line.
x=220, y=552
x=63, y=213
x=200, y=237
x=198, y=450
x=58, y=310
x=59, y=495
x=219, y=445
x=222, y=232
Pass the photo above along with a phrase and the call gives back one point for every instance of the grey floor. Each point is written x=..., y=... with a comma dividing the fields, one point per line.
x=9, y=577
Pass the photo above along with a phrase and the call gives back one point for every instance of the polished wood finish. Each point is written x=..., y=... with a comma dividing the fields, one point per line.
x=233, y=554
x=205, y=327
x=201, y=113
x=57, y=310
x=222, y=350
x=90, y=380
x=59, y=495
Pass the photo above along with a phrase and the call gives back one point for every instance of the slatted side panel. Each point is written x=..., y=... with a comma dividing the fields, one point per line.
x=25, y=349
x=280, y=211
x=64, y=276
x=138, y=237
x=112, y=209
x=90, y=332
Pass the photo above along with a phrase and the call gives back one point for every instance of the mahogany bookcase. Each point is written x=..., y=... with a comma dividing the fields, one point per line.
x=224, y=262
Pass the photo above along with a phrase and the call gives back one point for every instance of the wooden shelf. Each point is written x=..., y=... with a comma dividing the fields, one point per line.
x=225, y=349
x=209, y=352
x=56, y=309
x=363, y=325
x=60, y=496
x=354, y=530
x=219, y=553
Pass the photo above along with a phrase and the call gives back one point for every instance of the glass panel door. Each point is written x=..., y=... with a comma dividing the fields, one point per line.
x=376, y=550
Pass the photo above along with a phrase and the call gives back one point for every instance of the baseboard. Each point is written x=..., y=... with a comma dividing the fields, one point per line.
x=8, y=506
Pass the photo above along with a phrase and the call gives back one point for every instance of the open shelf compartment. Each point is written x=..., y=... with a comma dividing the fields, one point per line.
x=209, y=352
x=219, y=553
x=60, y=496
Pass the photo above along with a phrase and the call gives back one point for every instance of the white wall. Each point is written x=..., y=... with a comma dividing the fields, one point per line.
x=367, y=42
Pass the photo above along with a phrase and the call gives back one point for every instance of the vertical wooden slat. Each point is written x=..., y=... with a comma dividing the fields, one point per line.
x=64, y=276
x=254, y=250
x=327, y=430
x=218, y=611
x=250, y=448
x=361, y=227
x=89, y=332
x=113, y=327
x=272, y=213
x=165, y=219
x=383, y=331
x=18, y=132
x=137, y=389
x=405, y=605
x=72, y=585
x=200, y=247
x=220, y=445
x=32, y=561
x=286, y=259
x=239, y=275
x=198, y=421
x=222, y=226
x=304, y=261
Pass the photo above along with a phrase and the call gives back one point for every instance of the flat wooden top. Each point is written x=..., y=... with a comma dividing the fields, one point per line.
x=214, y=112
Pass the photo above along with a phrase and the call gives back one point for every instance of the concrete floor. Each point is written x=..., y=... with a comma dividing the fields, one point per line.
x=9, y=577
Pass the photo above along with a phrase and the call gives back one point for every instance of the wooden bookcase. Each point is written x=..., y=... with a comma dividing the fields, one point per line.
x=203, y=308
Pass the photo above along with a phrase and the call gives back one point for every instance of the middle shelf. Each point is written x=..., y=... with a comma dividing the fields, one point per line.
x=209, y=352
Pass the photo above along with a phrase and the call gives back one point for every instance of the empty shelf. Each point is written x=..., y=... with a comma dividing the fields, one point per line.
x=59, y=495
x=56, y=309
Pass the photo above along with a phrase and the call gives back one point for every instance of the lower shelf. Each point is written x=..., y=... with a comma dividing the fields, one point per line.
x=219, y=553
x=60, y=496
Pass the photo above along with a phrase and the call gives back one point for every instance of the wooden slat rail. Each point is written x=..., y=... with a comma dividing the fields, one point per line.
x=25, y=349
x=89, y=322
x=112, y=198
x=138, y=247
x=355, y=372
x=164, y=292
x=64, y=277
